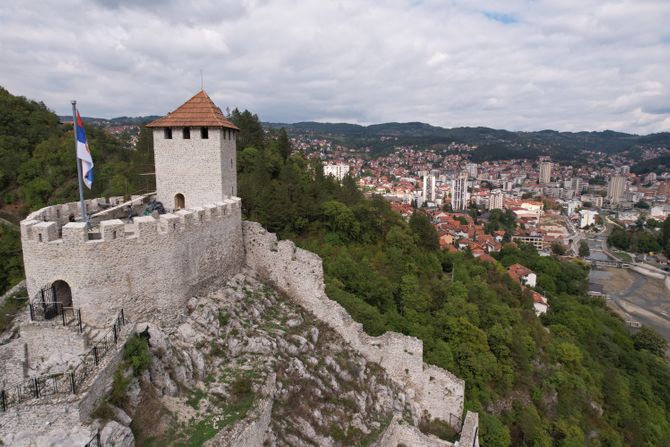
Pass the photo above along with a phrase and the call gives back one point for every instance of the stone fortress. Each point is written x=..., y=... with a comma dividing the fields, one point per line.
x=145, y=268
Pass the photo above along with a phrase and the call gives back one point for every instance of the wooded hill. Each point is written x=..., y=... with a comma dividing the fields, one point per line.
x=494, y=144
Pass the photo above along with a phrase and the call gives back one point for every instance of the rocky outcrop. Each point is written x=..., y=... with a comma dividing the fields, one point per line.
x=256, y=369
x=114, y=434
x=299, y=275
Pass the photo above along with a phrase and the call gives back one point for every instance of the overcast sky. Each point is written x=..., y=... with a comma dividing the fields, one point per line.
x=515, y=64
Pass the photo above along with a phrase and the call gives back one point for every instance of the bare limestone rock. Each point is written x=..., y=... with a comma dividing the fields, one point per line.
x=114, y=434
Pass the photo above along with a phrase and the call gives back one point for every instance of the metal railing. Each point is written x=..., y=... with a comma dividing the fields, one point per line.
x=98, y=351
x=48, y=311
x=94, y=441
x=45, y=311
x=72, y=315
x=63, y=383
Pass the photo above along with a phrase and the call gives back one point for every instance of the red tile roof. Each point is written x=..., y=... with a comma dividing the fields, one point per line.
x=199, y=111
x=518, y=271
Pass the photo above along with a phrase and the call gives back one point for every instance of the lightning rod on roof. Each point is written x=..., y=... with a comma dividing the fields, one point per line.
x=202, y=82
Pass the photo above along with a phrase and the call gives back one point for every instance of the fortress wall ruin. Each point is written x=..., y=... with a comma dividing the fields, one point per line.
x=299, y=274
x=149, y=267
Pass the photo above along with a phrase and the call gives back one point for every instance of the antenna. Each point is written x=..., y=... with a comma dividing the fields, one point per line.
x=202, y=82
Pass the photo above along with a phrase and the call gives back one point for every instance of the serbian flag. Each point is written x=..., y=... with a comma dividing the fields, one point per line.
x=83, y=153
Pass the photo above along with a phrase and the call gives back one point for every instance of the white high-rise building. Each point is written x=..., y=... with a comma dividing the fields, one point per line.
x=459, y=192
x=428, y=193
x=336, y=170
x=586, y=218
x=473, y=169
x=575, y=183
x=545, y=172
x=616, y=188
x=496, y=199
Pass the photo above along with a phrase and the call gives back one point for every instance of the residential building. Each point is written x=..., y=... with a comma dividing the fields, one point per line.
x=472, y=169
x=536, y=240
x=428, y=193
x=586, y=218
x=522, y=275
x=496, y=200
x=616, y=188
x=545, y=172
x=459, y=192
x=336, y=170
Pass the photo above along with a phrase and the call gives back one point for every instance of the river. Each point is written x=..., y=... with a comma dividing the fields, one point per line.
x=634, y=296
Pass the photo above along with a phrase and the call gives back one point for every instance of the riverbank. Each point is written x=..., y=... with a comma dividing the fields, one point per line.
x=640, y=297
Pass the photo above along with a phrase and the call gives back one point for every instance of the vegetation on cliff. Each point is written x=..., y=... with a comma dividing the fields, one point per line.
x=575, y=377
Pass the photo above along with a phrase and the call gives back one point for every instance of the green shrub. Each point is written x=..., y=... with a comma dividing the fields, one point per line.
x=241, y=387
x=136, y=353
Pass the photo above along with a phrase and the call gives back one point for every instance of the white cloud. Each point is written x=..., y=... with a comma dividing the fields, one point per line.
x=516, y=64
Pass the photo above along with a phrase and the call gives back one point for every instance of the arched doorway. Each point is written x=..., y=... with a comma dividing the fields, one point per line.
x=179, y=201
x=50, y=301
x=63, y=293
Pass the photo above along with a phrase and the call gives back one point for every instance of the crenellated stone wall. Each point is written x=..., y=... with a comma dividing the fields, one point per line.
x=148, y=267
x=299, y=274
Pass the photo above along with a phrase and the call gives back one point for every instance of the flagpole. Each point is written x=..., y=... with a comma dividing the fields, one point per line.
x=84, y=215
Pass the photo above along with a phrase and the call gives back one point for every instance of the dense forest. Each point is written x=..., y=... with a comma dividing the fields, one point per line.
x=646, y=236
x=575, y=377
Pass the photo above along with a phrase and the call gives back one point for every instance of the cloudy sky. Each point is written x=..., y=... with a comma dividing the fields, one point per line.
x=515, y=64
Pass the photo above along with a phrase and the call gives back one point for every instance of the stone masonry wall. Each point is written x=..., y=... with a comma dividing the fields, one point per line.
x=299, y=274
x=149, y=267
x=203, y=170
x=398, y=433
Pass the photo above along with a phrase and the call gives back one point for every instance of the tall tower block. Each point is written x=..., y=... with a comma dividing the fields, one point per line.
x=194, y=151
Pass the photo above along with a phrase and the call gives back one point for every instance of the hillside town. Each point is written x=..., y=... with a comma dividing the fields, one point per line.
x=550, y=202
x=478, y=207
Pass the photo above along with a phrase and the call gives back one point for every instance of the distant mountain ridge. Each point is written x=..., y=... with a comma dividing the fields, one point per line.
x=118, y=121
x=492, y=143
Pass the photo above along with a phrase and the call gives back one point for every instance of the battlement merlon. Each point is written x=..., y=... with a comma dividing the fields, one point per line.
x=37, y=228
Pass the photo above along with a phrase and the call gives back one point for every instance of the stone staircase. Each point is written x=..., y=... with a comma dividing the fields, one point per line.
x=91, y=333
x=99, y=344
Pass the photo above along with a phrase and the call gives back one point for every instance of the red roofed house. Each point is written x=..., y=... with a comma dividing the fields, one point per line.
x=539, y=303
x=522, y=275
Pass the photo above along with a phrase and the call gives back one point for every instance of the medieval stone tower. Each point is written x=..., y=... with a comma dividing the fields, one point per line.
x=194, y=149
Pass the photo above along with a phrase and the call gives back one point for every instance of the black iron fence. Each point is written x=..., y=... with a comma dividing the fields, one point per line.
x=45, y=310
x=72, y=316
x=98, y=351
x=63, y=383
x=40, y=311
x=95, y=440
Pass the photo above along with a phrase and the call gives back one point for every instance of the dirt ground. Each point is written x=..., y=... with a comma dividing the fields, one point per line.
x=636, y=297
